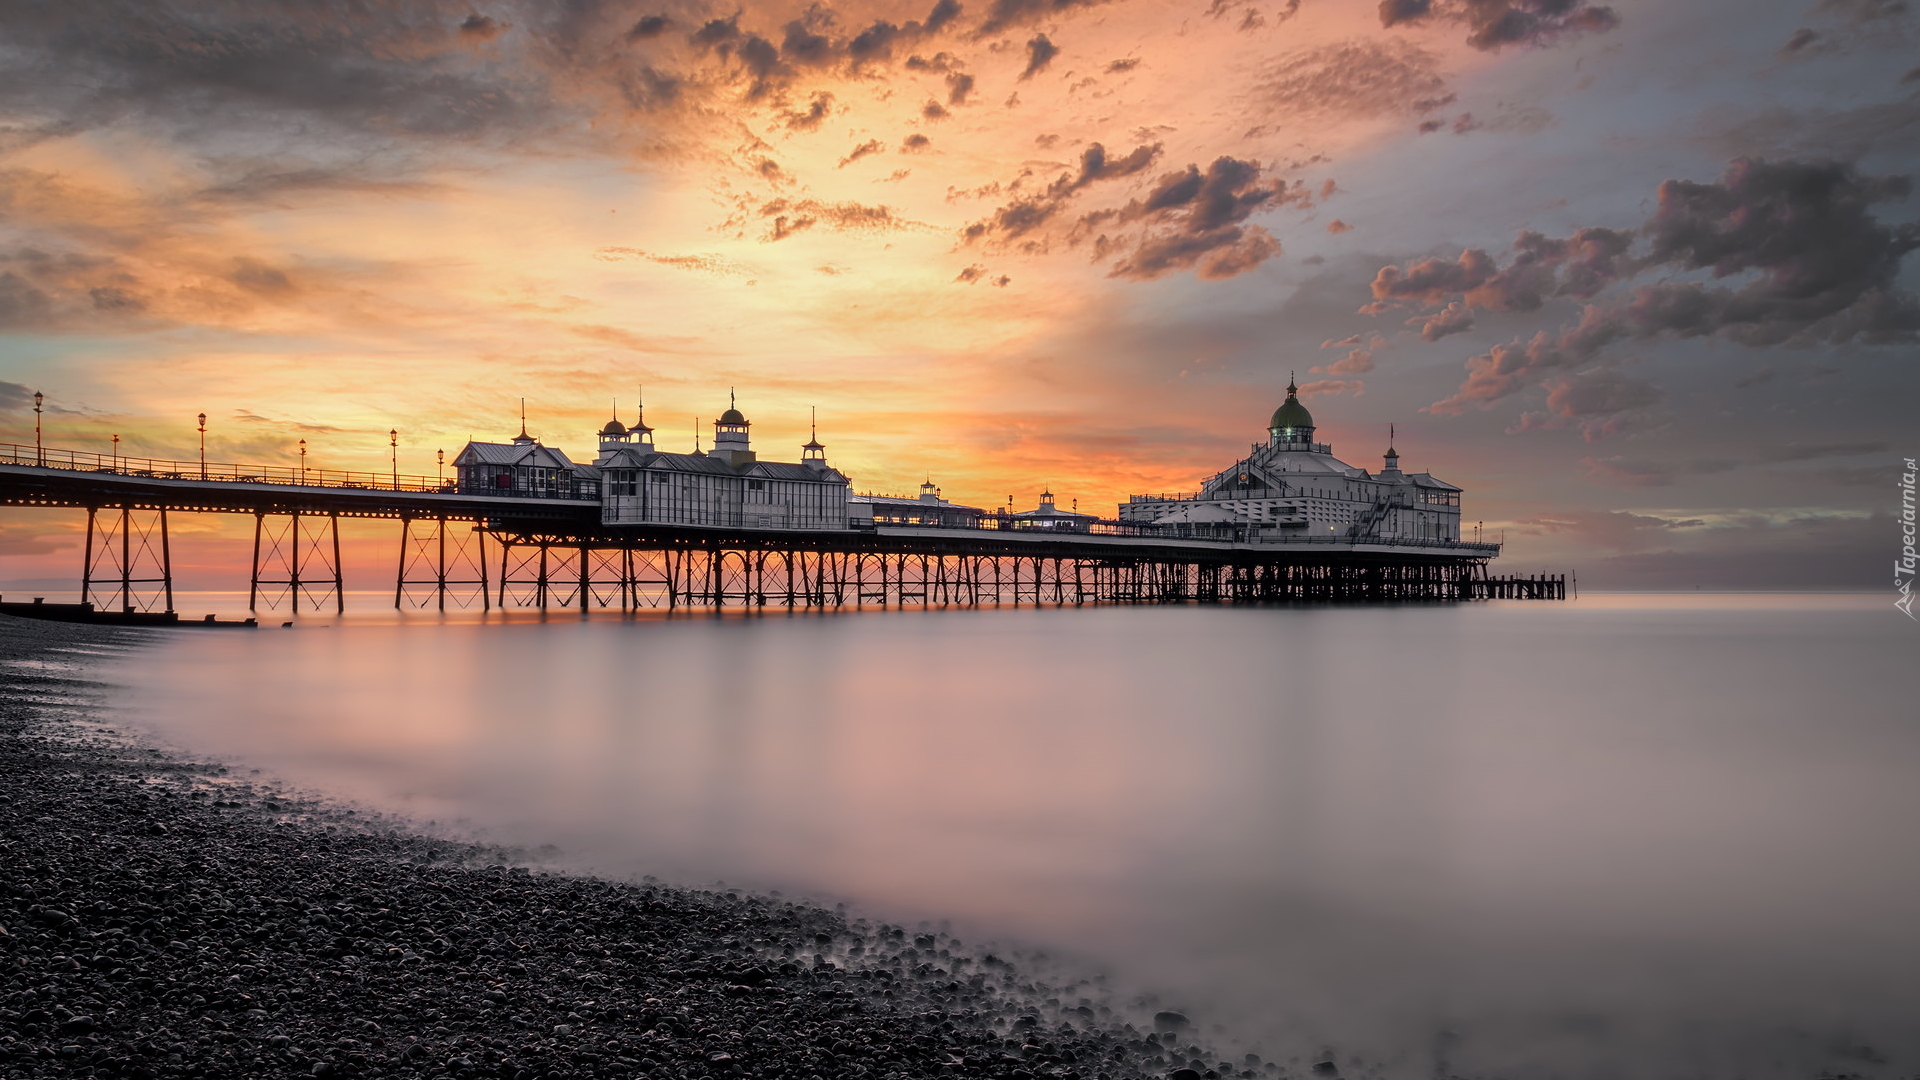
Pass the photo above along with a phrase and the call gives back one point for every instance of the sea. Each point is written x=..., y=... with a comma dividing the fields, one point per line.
x=1628, y=835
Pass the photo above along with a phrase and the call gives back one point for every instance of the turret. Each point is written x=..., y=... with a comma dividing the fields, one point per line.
x=812, y=454
x=642, y=434
x=1392, y=465
x=1292, y=425
x=730, y=437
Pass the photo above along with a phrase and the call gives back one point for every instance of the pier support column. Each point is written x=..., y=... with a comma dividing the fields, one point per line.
x=128, y=564
x=292, y=562
x=435, y=565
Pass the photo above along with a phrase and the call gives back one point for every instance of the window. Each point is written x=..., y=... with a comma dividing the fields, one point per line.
x=756, y=485
x=659, y=478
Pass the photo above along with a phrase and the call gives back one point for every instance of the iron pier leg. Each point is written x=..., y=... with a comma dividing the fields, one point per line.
x=442, y=576
x=166, y=560
x=339, y=575
x=253, y=588
x=86, y=567
x=400, y=574
x=126, y=555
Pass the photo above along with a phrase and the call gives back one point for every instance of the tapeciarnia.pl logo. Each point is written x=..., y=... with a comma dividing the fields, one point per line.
x=1903, y=566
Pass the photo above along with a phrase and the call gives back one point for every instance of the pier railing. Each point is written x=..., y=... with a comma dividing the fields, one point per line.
x=228, y=472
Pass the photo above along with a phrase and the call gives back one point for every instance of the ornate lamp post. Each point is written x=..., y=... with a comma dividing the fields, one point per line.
x=303, y=461
x=203, y=446
x=393, y=444
x=116, y=453
x=39, y=455
x=440, y=466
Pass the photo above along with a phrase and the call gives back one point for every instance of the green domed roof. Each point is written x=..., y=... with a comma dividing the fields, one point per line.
x=732, y=416
x=1291, y=414
x=614, y=427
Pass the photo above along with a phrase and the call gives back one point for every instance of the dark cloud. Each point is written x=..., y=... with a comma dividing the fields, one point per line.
x=791, y=216
x=1814, y=263
x=1196, y=219
x=804, y=47
x=110, y=298
x=1493, y=24
x=482, y=28
x=813, y=115
x=915, y=143
x=933, y=110
x=959, y=85
x=649, y=27
x=1119, y=67
x=257, y=277
x=1006, y=14
x=1040, y=53
x=967, y=276
x=14, y=396
x=1028, y=213
x=871, y=146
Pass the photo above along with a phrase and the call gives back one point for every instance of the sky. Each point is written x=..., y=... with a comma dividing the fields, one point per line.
x=1632, y=274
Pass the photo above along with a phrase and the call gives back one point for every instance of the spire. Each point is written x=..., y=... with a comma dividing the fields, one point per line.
x=813, y=455
x=1393, y=456
x=1292, y=389
x=640, y=413
x=523, y=438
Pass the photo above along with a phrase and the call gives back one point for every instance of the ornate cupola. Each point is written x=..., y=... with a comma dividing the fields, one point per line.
x=1292, y=425
x=614, y=437
x=812, y=454
x=730, y=436
x=929, y=491
x=1392, y=465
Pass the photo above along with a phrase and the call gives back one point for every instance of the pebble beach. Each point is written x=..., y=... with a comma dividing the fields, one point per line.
x=161, y=917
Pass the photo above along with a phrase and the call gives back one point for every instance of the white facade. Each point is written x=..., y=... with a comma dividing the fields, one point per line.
x=728, y=488
x=1293, y=486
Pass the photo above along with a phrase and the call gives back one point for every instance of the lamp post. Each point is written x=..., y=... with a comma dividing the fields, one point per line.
x=303, y=461
x=116, y=453
x=393, y=444
x=203, y=446
x=39, y=455
x=440, y=466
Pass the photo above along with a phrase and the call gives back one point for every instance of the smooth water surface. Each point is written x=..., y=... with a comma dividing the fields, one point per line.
x=1624, y=836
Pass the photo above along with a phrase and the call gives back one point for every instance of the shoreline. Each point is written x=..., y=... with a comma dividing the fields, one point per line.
x=159, y=917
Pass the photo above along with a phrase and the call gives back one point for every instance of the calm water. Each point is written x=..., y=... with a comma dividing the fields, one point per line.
x=1627, y=836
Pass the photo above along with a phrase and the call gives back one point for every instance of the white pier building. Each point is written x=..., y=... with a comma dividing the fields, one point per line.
x=1293, y=486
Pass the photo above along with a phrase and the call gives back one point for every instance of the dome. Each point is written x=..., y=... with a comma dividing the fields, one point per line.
x=732, y=416
x=614, y=427
x=1291, y=414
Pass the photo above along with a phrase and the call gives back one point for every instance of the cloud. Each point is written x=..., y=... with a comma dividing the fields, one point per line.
x=871, y=146
x=1801, y=38
x=1355, y=78
x=14, y=396
x=1325, y=387
x=959, y=85
x=1359, y=358
x=1816, y=267
x=710, y=263
x=915, y=143
x=1027, y=214
x=815, y=113
x=482, y=28
x=970, y=275
x=1119, y=67
x=933, y=110
x=1336, y=227
x=1005, y=14
x=649, y=27
x=1040, y=53
x=1493, y=24
x=1455, y=318
x=792, y=216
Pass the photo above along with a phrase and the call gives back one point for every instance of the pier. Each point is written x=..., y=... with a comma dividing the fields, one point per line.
x=552, y=551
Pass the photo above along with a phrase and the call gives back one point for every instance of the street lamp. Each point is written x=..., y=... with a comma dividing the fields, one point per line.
x=39, y=455
x=116, y=453
x=203, y=446
x=440, y=466
x=303, y=461
x=393, y=443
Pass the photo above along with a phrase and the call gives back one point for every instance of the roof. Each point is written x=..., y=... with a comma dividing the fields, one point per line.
x=614, y=427
x=1291, y=414
x=732, y=416
x=637, y=457
x=531, y=455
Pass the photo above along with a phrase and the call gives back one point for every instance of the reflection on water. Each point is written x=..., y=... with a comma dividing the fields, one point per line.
x=1624, y=836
